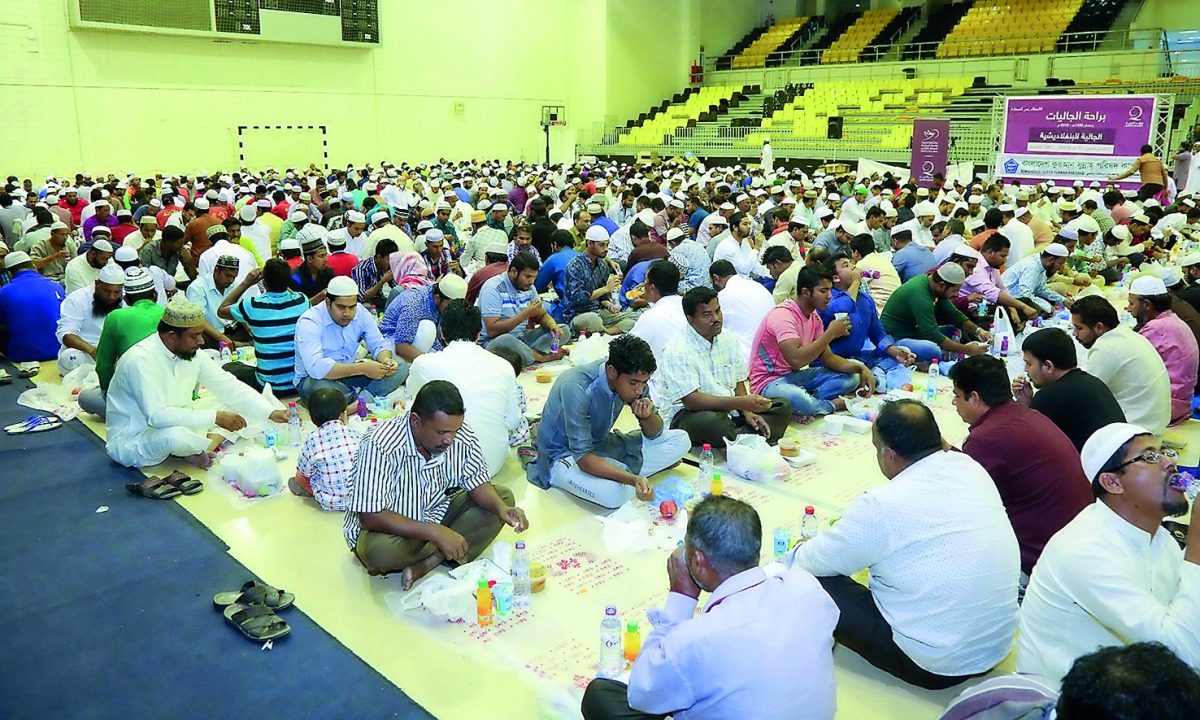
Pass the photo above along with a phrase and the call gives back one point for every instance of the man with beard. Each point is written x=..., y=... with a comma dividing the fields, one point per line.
x=81, y=317
x=1114, y=575
x=82, y=270
x=209, y=291
x=511, y=309
x=151, y=413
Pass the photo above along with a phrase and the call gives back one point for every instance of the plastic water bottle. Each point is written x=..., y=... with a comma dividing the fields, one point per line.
x=1188, y=483
x=226, y=355
x=1004, y=345
x=553, y=343
x=293, y=424
x=611, y=654
x=706, y=465
x=521, y=579
x=808, y=526
x=362, y=405
x=782, y=538
x=931, y=382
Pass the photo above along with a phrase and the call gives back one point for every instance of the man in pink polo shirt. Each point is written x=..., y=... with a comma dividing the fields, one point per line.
x=792, y=338
x=985, y=279
x=1150, y=303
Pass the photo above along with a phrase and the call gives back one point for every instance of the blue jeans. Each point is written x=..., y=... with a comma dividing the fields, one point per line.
x=809, y=390
x=350, y=386
x=925, y=350
x=534, y=339
x=882, y=365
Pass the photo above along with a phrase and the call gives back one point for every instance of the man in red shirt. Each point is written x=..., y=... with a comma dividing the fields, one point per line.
x=496, y=257
x=196, y=230
x=1034, y=465
x=72, y=203
x=340, y=261
x=124, y=226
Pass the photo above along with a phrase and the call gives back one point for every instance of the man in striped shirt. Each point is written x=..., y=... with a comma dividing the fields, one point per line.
x=420, y=492
x=272, y=320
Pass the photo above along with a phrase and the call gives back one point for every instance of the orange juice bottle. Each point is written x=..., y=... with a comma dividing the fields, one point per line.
x=718, y=488
x=633, y=642
x=483, y=603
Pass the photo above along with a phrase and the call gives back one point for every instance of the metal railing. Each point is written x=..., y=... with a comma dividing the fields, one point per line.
x=1107, y=40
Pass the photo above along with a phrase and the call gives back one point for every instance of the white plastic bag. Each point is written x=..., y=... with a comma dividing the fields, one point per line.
x=81, y=378
x=254, y=472
x=593, y=347
x=752, y=458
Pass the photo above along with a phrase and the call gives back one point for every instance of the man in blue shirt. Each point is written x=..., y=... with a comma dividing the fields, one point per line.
x=272, y=319
x=910, y=259
x=696, y=214
x=327, y=340
x=412, y=318
x=554, y=270
x=510, y=308
x=596, y=210
x=29, y=311
x=867, y=341
x=579, y=451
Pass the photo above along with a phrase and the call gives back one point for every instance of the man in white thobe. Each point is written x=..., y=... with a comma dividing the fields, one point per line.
x=151, y=414
x=81, y=317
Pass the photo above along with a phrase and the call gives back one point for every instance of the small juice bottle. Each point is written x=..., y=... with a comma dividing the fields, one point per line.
x=633, y=642
x=718, y=488
x=483, y=603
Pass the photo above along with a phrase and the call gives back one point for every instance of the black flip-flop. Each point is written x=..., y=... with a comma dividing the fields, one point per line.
x=255, y=593
x=257, y=622
x=184, y=483
x=153, y=488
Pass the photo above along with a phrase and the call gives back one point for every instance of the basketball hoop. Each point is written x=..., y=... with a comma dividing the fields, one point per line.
x=552, y=116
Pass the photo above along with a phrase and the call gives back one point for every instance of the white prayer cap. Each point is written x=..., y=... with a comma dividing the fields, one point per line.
x=1078, y=183
x=379, y=215
x=1171, y=276
x=112, y=274
x=1087, y=224
x=800, y=221
x=789, y=200
x=289, y=244
x=833, y=196
x=674, y=234
x=1187, y=260
x=13, y=259
x=888, y=210
x=718, y=220
x=354, y=216
x=1069, y=233
x=594, y=208
x=264, y=203
x=297, y=216
x=58, y=225
x=924, y=208
x=596, y=233
x=124, y=212
x=975, y=223
x=965, y=250
x=899, y=229
x=138, y=280
x=452, y=286
x=1094, y=184
x=247, y=214
x=441, y=205
x=1147, y=285
x=434, y=235
x=200, y=203
x=676, y=203
x=1053, y=190
x=824, y=213
x=423, y=226
x=727, y=206
x=1021, y=212
x=1150, y=202
x=975, y=199
x=1056, y=249
x=922, y=192
x=1104, y=443
x=149, y=219
x=102, y=245
x=347, y=197
x=952, y=273
x=125, y=253
x=1141, y=218
x=1005, y=208
x=342, y=286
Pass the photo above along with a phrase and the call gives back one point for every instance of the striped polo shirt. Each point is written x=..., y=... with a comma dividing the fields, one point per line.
x=272, y=319
x=391, y=474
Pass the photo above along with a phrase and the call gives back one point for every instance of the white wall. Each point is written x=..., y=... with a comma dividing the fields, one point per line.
x=1170, y=15
x=99, y=100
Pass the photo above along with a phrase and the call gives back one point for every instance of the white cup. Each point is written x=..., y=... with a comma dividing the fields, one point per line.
x=834, y=424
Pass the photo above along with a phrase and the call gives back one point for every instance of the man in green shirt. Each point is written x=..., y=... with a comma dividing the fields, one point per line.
x=917, y=310
x=123, y=328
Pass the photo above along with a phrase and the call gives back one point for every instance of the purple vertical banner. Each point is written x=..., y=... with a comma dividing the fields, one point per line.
x=930, y=150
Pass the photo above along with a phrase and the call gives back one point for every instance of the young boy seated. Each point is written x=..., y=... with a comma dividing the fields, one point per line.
x=520, y=438
x=327, y=457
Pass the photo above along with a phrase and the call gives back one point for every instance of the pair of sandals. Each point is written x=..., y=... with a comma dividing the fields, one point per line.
x=165, y=488
x=34, y=424
x=252, y=610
